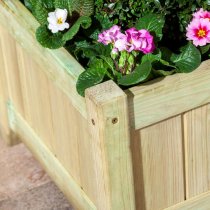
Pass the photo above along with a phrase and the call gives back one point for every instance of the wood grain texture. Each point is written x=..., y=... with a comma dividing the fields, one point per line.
x=58, y=65
x=8, y=45
x=55, y=169
x=170, y=96
x=36, y=99
x=4, y=96
x=158, y=160
x=201, y=202
x=72, y=142
x=109, y=128
x=8, y=74
x=57, y=122
x=197, y=149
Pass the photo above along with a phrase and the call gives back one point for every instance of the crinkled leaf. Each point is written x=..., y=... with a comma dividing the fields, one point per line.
x=84, y=21
x=28, y=4
x=32, y=3
x=40, y=12
x=153, y=23
x=48, y=39
x=89, y=78
x=64, y=4
x=140, y=74
x=188, y=60
x=83, y=7
x=48, y=3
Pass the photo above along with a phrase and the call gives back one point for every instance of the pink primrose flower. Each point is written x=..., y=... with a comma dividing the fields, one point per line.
x=198, y=31
x=110, y=35
x=140, y=40
x=121, y=43
x=202, y=14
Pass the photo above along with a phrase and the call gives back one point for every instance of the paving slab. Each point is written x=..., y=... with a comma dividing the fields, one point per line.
x=24, y=185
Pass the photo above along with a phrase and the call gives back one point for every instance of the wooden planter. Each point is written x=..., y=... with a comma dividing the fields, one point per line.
x=147, y=148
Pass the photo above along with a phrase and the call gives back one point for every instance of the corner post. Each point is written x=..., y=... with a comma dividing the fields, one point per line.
x=109, y=129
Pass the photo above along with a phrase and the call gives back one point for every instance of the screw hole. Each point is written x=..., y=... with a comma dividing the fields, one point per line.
x=114, y=120
x=93, y=121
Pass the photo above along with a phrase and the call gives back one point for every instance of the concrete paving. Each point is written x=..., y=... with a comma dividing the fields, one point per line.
x=24, y=185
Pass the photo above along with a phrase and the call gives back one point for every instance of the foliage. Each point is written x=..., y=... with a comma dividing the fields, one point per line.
x=166, y=20
x=177, y=14
x=78, y=10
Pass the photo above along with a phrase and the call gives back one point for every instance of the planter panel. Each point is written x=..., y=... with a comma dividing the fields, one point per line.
x=158, y=165
x=143, y=149
x=197, y=149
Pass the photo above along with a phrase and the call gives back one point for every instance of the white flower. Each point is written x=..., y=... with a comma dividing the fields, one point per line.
x=57, y=20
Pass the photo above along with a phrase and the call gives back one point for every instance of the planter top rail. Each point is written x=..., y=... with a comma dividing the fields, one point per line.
x=170, y=96
x=148, y=103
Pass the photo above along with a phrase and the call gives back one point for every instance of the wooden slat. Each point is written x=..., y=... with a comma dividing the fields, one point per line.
x=201, y=202
x=61, y=127
x=158, y=165
x=9, y=85
x=72, y=141
x=8, y=45
x=60, y=67
x=4, y=96
x=36, y=99
x=161, y=99
x=197, y=149
x=61, y=177
x=108, y=122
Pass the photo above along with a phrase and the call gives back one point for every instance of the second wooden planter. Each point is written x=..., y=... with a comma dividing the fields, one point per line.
x=146, y=148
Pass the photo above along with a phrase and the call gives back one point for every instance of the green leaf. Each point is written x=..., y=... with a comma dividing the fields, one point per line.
x=140, y=74
x=28, y=4
x=64, y=4
x=166, y=53
x=83, y=7
x=156, y=56
x=89, y=78
x=48, y=39
x=153, y=23
x=205, y=49
x=85, y=49
x=108, y=61
x=188, y=60
x=48, y=3
x=84, y=21
x=40, y=12
x=160, y=73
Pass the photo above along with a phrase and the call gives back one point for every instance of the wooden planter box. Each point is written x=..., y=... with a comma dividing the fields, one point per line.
x=147, y=148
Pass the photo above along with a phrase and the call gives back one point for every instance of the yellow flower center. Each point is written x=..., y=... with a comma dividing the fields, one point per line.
x=201, y=33
x=60, y=21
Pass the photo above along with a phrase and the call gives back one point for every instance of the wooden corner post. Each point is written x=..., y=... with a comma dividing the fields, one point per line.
x=109, y=128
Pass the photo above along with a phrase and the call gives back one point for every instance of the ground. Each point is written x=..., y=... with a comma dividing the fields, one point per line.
x=24, y=185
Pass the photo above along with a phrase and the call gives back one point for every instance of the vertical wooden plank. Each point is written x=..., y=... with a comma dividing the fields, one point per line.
x=11, y=69
x=65, y=127
x=4, y=96
x=197, y=149
x=7, y=63
x=36, y=99
x=109, y=128
x=158, y=165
